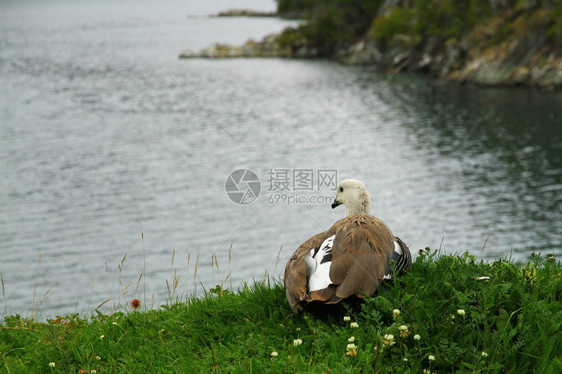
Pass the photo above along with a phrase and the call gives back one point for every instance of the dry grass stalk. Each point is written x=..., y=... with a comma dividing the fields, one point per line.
x=3, y=294
x=33, y=311
x=103, y=303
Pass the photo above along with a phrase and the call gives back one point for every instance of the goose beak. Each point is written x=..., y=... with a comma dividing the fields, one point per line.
x=335, y=203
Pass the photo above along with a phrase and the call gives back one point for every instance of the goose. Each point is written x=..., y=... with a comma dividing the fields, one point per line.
x=351, y=258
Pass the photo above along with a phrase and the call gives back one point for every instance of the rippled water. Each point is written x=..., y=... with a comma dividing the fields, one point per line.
x=105, y=135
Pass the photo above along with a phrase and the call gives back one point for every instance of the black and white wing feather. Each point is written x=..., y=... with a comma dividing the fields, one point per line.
x=401, y=256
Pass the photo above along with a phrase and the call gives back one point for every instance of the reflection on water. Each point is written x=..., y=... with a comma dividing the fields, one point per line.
x=508, y=146
x=98, y=145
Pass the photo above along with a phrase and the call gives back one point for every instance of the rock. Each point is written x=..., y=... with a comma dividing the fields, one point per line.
x=361, y=53
x=268, y=47
x=520, y=75
x=425, y=61
x=189, y=53
x=400, y=58
x=289, y=43
x=214, y=51
x=452, y=57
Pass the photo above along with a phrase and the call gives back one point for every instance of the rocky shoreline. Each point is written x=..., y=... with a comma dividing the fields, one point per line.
x=268, y=47
x=521, y=59
x=245, y=13
x=514, y=63
x=272, y=45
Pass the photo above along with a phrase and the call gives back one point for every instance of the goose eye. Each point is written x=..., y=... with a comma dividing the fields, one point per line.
x=341, y=189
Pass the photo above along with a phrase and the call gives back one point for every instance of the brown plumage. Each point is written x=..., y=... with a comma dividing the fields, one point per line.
x=362, y=248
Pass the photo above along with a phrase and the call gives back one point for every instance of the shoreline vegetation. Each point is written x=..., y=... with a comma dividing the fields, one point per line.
x=483, y=42
x=448, y=313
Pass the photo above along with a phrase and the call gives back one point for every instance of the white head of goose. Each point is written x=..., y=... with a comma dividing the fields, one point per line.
x=354, y=196
x=351, y=258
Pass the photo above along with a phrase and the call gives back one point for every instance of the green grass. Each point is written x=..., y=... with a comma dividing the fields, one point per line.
x=515, y=318
x=444, y=18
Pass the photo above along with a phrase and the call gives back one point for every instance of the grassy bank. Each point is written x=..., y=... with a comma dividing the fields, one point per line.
x=449, y=320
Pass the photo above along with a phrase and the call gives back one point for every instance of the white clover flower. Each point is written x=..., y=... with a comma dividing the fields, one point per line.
x=461, y=312
x=484, y=354
x=346, y=318
x=405, y=359
x=351, y=350
x=274, y=354
x=352, y=339
x=431, y=358
x=389, y=340
x=404, y=331
x=395, y=313
x=417, y=337
x=297, y=342
x=354, y=325
x=52, y=364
